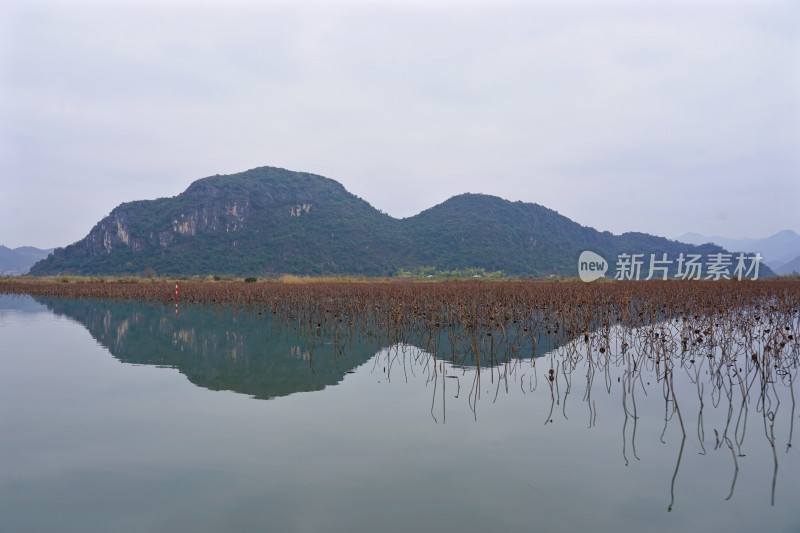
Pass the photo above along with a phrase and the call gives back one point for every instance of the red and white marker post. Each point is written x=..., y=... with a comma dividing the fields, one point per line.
x=176, y=298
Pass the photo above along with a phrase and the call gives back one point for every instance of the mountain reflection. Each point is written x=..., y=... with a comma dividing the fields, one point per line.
x=719, y=384
x=225, y=348
x=218, y=349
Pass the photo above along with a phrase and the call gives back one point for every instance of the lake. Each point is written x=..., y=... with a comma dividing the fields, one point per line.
x=121, y=416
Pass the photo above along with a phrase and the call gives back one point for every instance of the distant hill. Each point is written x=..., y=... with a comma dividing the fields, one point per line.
x=790, y=267
x=270, y=220
x=778, y=249
x=16, y=261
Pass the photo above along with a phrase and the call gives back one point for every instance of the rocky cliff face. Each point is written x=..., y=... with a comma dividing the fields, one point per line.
x=117, y=230
x=111, y=233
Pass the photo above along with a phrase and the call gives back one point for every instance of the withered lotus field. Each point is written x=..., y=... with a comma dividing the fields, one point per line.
x=494, y=321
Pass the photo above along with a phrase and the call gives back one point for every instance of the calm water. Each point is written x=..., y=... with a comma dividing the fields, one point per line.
x=122, y=417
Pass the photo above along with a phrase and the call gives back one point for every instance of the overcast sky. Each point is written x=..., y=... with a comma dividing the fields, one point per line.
x=663, y=117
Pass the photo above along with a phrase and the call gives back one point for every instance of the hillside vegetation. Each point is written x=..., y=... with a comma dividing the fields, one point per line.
x=268, y=221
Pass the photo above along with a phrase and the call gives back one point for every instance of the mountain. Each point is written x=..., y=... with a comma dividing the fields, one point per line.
x=16, y=261
x=777, y=250
x=270, y=220
x=259, y=221
x=520, y=238
x=790, y=267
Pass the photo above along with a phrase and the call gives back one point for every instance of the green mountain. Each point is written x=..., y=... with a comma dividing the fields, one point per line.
x=265, y=220
x=270, y=220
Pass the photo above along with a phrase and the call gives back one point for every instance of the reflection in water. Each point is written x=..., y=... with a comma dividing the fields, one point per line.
x=705, y=378
x=710, y=385
x=225, y=348
x=218, y=349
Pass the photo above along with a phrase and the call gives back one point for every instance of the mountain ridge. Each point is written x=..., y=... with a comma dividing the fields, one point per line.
x=270, y=220
x=780, y=250
x=16, y=261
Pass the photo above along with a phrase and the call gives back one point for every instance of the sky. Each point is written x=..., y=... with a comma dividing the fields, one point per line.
x=661, y=117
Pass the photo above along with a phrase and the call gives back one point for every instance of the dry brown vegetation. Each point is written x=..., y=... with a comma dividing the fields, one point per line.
x=492, y=320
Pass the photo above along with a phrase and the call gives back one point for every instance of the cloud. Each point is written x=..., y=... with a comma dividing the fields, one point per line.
x=623, y=116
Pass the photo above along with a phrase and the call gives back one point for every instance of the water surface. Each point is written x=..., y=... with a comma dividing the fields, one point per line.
x=120, y=416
